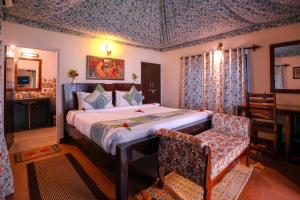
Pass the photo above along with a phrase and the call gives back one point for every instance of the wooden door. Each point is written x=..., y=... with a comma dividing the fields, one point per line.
x=151, y=82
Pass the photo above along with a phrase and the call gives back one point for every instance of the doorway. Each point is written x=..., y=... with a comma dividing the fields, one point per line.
x=29, y=98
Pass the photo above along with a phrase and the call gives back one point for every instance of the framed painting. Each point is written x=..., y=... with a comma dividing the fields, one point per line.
x=296, y=72
x=104, y=68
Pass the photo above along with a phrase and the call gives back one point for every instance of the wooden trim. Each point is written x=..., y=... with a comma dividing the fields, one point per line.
x=272, y=66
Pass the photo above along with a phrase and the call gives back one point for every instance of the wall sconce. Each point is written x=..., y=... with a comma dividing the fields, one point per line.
x=108, y=49
x=29, y=54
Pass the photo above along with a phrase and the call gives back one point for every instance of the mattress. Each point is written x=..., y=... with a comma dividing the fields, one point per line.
x=84, y=120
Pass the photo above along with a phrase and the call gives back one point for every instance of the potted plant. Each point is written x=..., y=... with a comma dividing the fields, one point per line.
x=134, y=77
x=73, y=74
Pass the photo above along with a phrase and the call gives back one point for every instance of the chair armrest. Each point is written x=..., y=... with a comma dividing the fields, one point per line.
x=184, y=154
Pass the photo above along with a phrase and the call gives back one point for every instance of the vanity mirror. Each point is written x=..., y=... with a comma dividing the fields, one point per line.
x=284, y=67
x=28, y=74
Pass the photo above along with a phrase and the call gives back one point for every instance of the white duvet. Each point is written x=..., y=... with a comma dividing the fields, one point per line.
x=83, y=120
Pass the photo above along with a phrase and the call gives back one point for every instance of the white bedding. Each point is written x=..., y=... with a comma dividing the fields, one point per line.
x=83, y=120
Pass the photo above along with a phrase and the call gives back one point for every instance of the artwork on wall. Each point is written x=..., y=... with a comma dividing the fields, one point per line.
x=296, y=72
x=104, y=68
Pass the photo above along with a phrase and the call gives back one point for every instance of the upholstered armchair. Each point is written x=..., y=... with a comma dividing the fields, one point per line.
x=208, y=156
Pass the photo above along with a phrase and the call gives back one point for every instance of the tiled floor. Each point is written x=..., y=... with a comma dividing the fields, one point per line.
x=278, y=181
x=32, y=139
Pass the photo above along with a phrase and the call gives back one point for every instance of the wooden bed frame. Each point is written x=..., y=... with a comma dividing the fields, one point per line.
x=127, y=152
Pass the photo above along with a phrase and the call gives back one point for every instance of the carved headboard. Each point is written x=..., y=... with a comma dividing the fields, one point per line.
x=70, y=101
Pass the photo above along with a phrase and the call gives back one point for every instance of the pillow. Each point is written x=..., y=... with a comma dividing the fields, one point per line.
x=98, y=98
x=82, y=104
x=133, y=97
x=120, y=101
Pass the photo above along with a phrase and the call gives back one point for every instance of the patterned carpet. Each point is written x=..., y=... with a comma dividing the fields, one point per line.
x=35, y=153
x=179, y=188
x=61, y=177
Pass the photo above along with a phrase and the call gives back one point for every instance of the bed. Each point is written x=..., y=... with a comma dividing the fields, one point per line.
x=120, y=146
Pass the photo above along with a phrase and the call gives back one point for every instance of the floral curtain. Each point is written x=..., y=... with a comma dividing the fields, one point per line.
x=279, y=77
x=215, y=81
x=6, y=180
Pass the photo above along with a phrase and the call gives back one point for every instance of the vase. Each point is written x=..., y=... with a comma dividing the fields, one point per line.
x=73, y=81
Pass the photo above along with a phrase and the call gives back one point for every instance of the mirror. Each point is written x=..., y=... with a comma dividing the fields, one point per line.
x=285, y=67
x=28, y=74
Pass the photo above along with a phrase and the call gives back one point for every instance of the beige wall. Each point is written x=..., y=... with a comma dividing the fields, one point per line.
x=259, y=62
x=72, y=51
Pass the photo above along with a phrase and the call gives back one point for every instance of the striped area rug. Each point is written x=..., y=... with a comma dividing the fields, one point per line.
x=178, y=188
x=61, y=178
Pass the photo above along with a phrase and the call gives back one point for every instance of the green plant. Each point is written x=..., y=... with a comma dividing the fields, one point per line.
x=134, y=76
x=73, y=73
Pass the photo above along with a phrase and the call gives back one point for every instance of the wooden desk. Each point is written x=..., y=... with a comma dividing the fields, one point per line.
x=289, y=112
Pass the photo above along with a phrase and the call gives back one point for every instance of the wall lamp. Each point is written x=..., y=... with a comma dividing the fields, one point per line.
x=29, y=54
x=108, y=49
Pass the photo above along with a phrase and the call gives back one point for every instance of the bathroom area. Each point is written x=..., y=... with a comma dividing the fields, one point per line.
x=30, y=98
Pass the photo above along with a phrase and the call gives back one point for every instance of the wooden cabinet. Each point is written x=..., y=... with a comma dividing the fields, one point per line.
x=20, y=115
x=30, y=114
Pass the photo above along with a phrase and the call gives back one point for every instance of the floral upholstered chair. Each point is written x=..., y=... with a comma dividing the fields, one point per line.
x=206, y=157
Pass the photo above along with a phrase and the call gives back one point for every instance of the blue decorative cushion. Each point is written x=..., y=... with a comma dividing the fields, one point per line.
x=133, y=97
x=100, y=102
x=98, y=98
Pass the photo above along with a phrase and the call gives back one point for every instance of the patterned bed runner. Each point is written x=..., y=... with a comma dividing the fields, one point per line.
x=99, y=130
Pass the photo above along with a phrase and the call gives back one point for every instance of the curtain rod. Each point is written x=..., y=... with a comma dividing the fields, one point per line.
x=253, y=47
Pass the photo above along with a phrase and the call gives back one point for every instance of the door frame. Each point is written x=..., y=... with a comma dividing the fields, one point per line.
x=57, y=51
x=160, y=76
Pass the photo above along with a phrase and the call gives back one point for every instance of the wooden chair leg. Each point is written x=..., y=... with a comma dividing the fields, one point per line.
x=254, y=138
x=275, y=147
x=247, y=156
x=161, y=172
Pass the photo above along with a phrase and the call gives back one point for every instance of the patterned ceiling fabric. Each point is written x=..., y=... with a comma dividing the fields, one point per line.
x=155, y=24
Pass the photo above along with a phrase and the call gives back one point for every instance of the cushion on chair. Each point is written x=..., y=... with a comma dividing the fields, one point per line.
x=224, y=148
x=230, y=124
